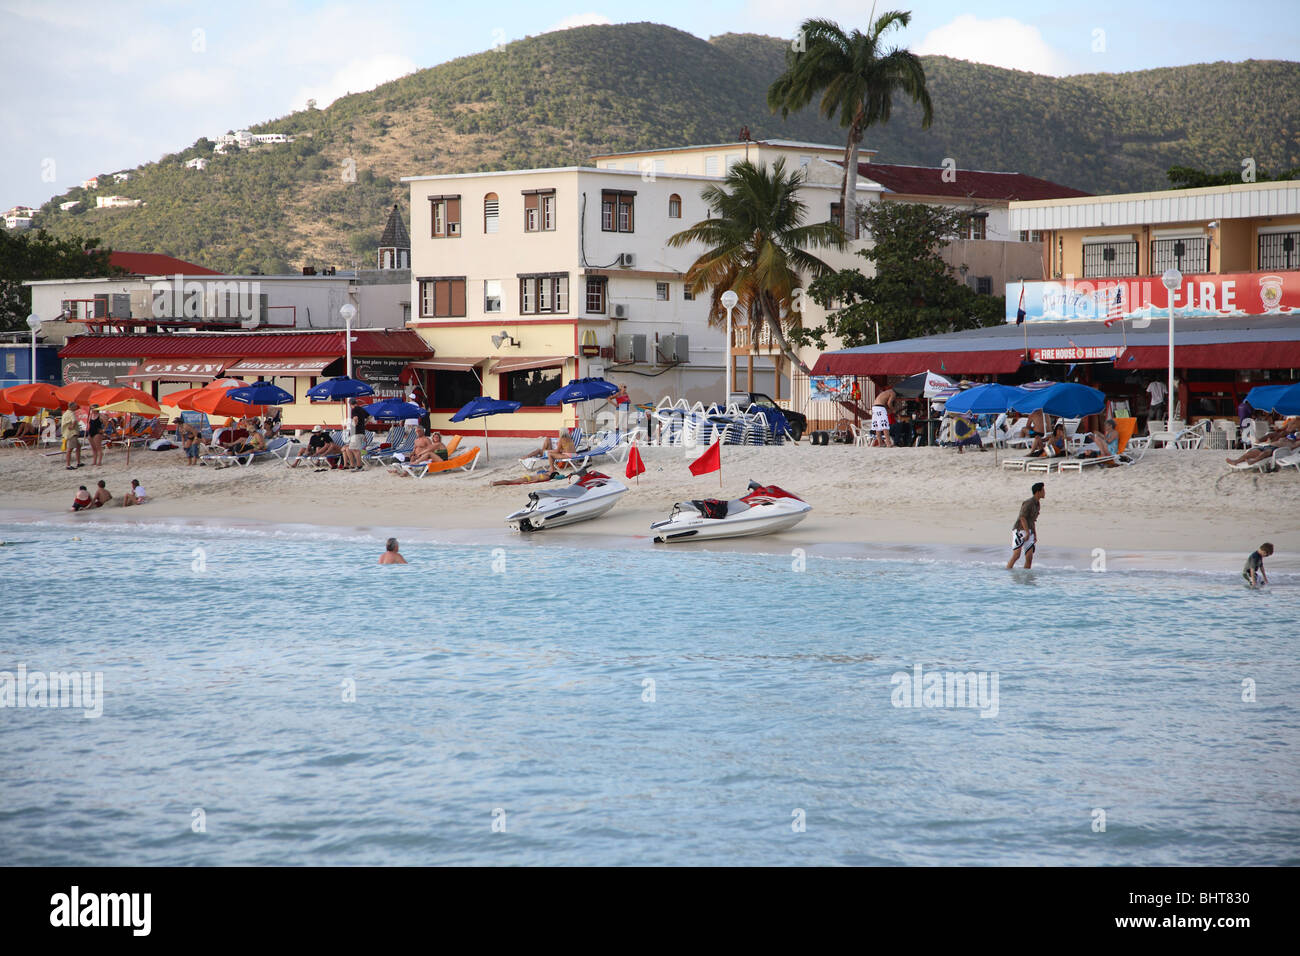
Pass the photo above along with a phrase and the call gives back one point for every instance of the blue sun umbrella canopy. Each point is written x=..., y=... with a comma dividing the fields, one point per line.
x=482, y=407
x=1283, y=399
x=394, y=410
x=338, y=389
x=581, y=390
x=990, y=399
x=260, y=393
x=1063, y=399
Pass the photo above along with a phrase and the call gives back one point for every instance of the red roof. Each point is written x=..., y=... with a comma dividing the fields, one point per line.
x=966, y=183
x=156, y=264
x=991, y=362
x=401, y=343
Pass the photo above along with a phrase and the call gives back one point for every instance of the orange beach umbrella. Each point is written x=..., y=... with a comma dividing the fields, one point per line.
x=10, y=408
x=42, y=395
x=78, y=392
x=114, y=394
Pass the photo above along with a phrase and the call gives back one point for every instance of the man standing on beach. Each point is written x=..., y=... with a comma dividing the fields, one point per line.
x=71, y=435
x=1024, y=533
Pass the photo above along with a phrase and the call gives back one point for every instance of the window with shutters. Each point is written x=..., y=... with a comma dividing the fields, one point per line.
x=687, y=294
x=1279, y=250
x=1191, y=254
x=616, y=210
x=1032, y=235
x=1103, y=260
x=596, y=295
x=974, y=226
x=539, y=210
x=837, y=217
x=712, y=166
x=444, y=216
x=661, y=291
x=442, y=297
x=674, y=206
x=492, y=295
x=544, y=294
x=491, y=213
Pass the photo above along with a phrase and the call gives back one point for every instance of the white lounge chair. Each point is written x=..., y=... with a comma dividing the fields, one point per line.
x=1287, y=459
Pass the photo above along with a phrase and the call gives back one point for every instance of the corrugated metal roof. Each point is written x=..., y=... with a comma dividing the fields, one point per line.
x=1245, y=201
x=402, y=343
x=157, y=264
x=965, y=183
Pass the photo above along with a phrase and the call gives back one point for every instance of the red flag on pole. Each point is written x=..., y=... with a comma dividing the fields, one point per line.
x=635, y=466
x=711, y=460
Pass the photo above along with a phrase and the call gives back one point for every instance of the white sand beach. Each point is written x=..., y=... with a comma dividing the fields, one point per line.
x=1171, y=502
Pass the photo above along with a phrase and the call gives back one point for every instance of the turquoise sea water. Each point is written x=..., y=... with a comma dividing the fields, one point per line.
x=545, y=704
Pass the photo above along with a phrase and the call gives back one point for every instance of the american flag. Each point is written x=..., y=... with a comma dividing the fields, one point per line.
x=1115, y=307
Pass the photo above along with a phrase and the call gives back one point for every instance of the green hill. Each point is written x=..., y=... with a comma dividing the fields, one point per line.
x=561, y=97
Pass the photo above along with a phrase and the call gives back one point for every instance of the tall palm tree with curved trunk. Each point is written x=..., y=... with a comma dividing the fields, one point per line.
x=856, y=79
x=757, y=246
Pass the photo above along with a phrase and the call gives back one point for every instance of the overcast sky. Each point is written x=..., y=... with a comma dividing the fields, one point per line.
x=94, y=87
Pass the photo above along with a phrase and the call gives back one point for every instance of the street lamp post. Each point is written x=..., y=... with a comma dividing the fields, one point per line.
x=729, y=300
x=34, y=323
x=1172, y=280
x=349, y=312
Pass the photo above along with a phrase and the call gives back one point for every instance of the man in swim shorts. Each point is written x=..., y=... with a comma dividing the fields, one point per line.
x=1024, y=533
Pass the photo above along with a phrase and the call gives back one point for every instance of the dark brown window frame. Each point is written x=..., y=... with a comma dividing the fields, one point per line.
x=448, y=221
x=452, y=283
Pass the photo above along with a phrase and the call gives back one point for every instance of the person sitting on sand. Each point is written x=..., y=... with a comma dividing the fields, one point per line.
x=1053, y=447
x=135, y=496
x=391, y=555
x=549, y=475
x=1253, y=572
x=83, y=500
x=102, y=495
x=1258, y=453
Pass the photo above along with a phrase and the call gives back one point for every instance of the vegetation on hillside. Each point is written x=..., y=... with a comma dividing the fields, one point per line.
x=29, y=256
x=562, y=97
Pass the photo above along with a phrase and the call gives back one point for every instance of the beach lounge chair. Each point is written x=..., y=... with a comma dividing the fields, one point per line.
x=466, y=461
x=609, y=445
x=398, y=442
x=275, y=447
x=1125, y=429
x=536, y=461
x=1287, y=459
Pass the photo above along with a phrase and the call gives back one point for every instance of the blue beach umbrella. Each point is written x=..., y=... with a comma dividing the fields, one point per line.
x=482, y=407
x=581, y=390
x=1283, y=399
x=1062, y=399
x=338, y=389
x=394, y=410
x=989, y=399
x=260, y=393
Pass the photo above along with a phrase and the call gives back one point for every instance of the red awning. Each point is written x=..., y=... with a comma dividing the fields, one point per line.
x=1231, y=355
x=989, y=362
x=302, y=367
x=449, y=364
x=524, y=364
x=190, y=370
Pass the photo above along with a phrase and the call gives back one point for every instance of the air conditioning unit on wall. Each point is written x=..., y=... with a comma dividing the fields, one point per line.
x=627, y=260
x=674, y=348
x=618, y=312
x=629, y=347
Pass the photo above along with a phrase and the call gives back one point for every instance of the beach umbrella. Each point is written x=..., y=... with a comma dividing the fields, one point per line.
x=78, y=392
x=259, y=393
x=111, y=394
x=581, y=390
x=394, y=410
x=1283, y=399
x=1062, y=399
x=990, y=399
x=132, y=405
x=339, y=389
x=40, y=395
x=923, y=384
x=11, y=408
x=216, y=401
x=482, y=407
x=184, y=398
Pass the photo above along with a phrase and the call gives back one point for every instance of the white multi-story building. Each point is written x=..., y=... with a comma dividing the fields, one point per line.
x=198, y=162
x=117, y=202
x=69, y=205
x=91, y=183
x=523, y=279
x=18, y=222
x=121, y=177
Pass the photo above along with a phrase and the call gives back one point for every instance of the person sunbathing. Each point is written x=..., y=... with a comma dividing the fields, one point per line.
x=1287, y=429
x=549, y=475
x=329, y=449
x=425, y=448
x=1258, y=453
x=20, y=429
x=1103, y=444
x=1053, y=447
x=1035, y=427
x=559, y=447
x=255, y=442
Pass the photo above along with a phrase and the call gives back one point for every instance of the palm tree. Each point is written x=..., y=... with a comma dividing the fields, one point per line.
x=757, y=247
x=856, y=81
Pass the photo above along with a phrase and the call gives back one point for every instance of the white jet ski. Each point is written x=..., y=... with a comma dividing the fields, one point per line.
x=589, y=497
x=765, y=510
